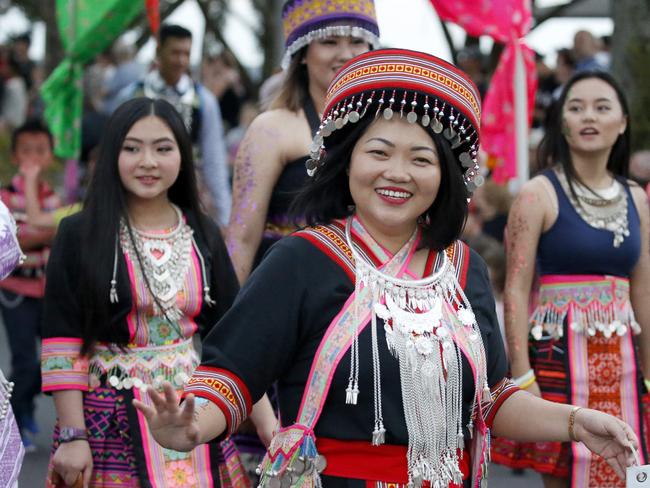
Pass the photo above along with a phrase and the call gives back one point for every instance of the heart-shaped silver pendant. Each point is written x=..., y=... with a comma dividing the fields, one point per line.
x=158, y=252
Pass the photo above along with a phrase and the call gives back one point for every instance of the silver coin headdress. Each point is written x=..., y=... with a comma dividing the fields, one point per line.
x=408, y=84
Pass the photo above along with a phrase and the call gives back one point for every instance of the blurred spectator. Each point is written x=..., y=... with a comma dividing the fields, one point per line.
x=25, y=66
x=95, y=76
x=235, y=135
x=127, y=71
x=586, y=48
x=199, y=109
x=604, y=55
x=565, y=67
x=640, y=169
x=546, y=85
x=534, y=138
x=470, y=60
x=4, y=59
x=494, y=255
x=492, y=202
x=269, y=90
x=473, y=226
x=36, y=104
x=221, y=76
x=21, y=294
x=13, y=106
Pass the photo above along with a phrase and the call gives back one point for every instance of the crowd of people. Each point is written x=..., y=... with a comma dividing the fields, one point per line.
x=326, y=263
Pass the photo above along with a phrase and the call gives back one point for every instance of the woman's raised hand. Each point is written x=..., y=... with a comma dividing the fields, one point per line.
x=607, y=436
x=173, y=426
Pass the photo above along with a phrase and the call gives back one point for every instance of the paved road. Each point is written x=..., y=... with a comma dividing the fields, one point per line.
x=35, y=465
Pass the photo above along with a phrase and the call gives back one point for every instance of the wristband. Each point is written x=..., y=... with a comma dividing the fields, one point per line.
x=524, y=378
x=572, y=423
x=525, y=385
x=69, y=434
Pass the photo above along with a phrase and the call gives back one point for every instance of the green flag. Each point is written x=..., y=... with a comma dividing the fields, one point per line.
x=87, y=27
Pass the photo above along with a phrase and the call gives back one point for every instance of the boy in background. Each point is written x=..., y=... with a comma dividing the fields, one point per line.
x=21, y=294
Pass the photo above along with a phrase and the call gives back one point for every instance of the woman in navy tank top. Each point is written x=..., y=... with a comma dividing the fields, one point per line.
x=578, y=236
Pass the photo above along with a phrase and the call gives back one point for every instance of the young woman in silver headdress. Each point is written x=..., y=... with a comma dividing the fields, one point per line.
x=376, y=321
x=269, y=169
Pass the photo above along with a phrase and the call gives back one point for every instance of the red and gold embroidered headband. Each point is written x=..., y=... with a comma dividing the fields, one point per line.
x=413, y=85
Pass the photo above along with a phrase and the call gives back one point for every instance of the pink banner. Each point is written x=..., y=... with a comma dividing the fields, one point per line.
x=507, y=22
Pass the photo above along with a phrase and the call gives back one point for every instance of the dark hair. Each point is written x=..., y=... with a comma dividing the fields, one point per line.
x=172, y=30
x=32, y=126
x=554, y=149
x=14, y=63
x=106, y=203
x=567, y=56
x=24, y=37
x=327, y=195
x=295, y=85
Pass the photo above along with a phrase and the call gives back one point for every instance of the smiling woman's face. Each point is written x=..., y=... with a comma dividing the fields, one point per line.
x=149, y=160
x=394, y=176
x=324, y=57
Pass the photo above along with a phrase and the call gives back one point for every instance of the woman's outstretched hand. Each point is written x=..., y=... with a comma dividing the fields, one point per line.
x=173, y=426
x=607, y=436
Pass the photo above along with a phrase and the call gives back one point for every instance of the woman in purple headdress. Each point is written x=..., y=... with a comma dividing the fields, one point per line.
x=270, y=165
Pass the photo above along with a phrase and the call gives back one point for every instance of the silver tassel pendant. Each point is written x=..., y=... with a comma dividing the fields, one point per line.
x=352, y=393
x=487, y=393
x=206, y=296
x=379, y=435
x=113, y=293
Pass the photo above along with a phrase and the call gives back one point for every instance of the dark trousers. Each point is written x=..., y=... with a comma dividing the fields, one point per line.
x=22, y=318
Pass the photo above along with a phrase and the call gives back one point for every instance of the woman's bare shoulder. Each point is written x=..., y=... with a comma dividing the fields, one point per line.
x=281, y=118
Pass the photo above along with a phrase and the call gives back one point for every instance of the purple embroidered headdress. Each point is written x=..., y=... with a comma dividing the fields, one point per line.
x=306, y=20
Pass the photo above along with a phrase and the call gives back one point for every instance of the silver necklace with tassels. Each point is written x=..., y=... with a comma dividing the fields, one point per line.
x=422, y=321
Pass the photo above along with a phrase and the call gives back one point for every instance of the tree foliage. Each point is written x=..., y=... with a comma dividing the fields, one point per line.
x=631, y=63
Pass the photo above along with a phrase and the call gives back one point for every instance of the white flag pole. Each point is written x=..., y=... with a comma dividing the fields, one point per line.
x=521, y=118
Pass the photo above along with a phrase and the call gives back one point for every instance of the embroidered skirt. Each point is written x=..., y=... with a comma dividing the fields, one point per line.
x=125, y=455
x=583, y=352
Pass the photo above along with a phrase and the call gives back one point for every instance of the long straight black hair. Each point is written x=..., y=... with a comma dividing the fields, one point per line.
x=327, y=195
x=554, y=149
x=106, y=205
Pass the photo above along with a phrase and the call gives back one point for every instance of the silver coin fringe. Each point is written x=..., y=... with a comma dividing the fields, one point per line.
x=329, y=31
x=441, y=118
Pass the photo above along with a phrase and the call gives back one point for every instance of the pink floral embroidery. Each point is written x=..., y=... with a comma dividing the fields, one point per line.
x=179, y=474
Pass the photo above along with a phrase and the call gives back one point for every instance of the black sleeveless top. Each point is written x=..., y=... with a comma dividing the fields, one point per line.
x=291, y=181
